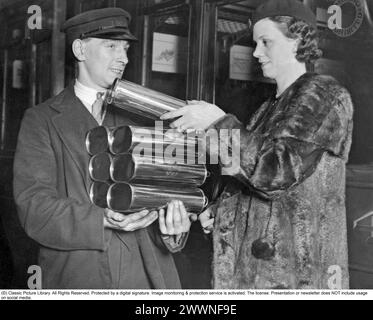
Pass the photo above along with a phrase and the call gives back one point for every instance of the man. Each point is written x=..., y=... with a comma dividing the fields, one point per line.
x=82, y=245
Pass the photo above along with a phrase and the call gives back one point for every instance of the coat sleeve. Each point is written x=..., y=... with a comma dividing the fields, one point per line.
x=313, y=122
x=53, y=221
x=175, y=243
x=170, y=244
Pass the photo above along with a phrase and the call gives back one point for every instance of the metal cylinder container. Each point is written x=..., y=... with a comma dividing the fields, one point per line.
x=140, y=100
x=150, y=170
x=99, y=167
x=98, y=193
x=125, y=139
x=97, y=140
x=127, y=198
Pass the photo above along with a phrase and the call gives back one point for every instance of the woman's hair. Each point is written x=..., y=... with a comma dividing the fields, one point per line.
x=308, y=47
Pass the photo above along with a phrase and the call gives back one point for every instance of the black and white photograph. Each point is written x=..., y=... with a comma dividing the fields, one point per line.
x=192, y=149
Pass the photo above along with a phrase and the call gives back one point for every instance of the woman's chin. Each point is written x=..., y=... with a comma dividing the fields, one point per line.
x=268, y=75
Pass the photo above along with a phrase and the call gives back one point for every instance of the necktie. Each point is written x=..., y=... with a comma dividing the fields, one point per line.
x=97, y=107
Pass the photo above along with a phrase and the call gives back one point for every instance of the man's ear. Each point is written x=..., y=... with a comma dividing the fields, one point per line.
x=78, y=47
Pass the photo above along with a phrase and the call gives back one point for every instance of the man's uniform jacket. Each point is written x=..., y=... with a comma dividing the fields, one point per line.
x=51, y=189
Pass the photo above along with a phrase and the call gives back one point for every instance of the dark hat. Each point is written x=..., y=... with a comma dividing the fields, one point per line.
x=291, y=8
x=107, y=23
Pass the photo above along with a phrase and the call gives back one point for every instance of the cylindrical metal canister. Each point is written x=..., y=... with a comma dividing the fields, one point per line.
x=214, y=184
x=99, y=167
x=124, y=197
x=140, y=100
x=97, y=140
x=98, y=193
x=125, y=139
x=150, y=170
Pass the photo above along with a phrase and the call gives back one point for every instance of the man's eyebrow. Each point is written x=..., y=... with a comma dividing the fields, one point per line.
x=127, y=45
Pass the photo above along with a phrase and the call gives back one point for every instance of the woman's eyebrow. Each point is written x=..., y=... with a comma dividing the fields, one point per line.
x=259, y=38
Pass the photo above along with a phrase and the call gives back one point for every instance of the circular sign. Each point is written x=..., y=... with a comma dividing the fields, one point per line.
x=359, y=16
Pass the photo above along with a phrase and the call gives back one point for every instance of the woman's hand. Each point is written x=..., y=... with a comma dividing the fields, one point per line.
x=197, y=115
x=207, y=219
x=176, y=221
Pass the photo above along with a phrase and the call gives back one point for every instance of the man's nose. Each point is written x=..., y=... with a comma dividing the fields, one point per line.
x=122, y=55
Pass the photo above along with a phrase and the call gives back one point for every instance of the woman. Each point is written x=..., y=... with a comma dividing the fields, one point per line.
x=282, y=223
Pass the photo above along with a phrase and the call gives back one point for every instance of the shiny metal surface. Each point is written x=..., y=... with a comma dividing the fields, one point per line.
x=140, y=100
x=98, y=193
x=151, y=170
x=99, y=167
x=97, y=140
x=129, y=198
x=125, y=139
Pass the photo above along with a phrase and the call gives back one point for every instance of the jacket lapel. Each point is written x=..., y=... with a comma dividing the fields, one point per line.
x=150, y=260
x=72, y=122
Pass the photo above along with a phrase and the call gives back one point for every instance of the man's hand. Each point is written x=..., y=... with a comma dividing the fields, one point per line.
x=176, y=221
x=130, y=222
x=197, y=115
x=207, y=219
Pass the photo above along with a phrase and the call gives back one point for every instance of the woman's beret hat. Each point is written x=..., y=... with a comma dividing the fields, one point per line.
x=291, y=8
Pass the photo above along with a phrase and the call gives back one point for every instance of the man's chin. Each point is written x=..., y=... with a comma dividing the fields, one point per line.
x=112, y=79
x=117, y=75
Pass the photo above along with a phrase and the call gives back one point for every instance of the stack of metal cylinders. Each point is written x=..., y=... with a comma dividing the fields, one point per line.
x=131, y=169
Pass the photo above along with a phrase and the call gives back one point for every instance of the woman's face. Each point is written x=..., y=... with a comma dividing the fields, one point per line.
x=275, y=52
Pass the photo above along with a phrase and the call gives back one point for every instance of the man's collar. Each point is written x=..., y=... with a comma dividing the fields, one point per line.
x=86, y=94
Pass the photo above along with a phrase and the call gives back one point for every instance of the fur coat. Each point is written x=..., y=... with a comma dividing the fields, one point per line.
x=281, y=221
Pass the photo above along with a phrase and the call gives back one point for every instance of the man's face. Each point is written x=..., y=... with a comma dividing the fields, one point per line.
x=274, y=50
x=104, y=61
